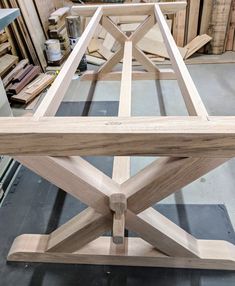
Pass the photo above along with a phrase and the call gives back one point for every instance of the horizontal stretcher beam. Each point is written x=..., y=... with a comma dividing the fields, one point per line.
x=164, y=136
x=128, y=9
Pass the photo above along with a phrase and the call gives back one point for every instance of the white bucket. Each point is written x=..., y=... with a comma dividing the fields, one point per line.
x=53, y=50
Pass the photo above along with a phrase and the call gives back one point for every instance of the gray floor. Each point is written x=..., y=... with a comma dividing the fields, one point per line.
x=216, y=86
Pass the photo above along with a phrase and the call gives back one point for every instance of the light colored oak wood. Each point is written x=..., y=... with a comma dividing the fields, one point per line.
x=121, y=165
x=193, y=16
x=80, y=179
x=162, y=233
x=80, y=230
x=179, y=27
x=196, y=44
x=143, y=29
x=168, y=136
x=113, y=30
x=113, y=61
x=128, y=9
x=118, y=205
x=164, y=177
x=31, y=247
x=145, y=61
x=189, y=91
x=136, y=75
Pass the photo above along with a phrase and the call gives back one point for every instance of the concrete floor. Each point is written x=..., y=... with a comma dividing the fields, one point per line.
x=216, y=86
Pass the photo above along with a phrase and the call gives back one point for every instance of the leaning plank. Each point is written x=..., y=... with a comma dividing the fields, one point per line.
x=188, y=89
x=231, y=28
x=179, y=27
x=128, y=9
x=157, y=48
x=206, y=16
x=44, y=9
x=57, y=91
x=196, y=44
x=193, y=16
x=168, y=136
x=35, y=29
x=32, y=247
x=218, y=25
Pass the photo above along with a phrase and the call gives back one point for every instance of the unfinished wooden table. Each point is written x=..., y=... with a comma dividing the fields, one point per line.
x=193, y=144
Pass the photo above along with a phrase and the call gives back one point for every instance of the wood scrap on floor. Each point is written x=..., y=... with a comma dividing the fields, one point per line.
x=16, y=87
x=157, y=48
x=34, y=88
x=196, y=44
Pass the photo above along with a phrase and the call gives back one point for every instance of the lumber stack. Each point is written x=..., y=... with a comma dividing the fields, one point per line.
x=25, y=82
x=57, y=30
x=5, y=46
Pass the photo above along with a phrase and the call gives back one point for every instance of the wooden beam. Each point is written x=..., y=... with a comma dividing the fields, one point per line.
x=113, y=61
x=162, y=233
x=215, y=254
x=121, y=165
x=136, y=75
x=164, y=177
x=80, y=179
x=168, y=136
x=113, y=29
x=118, y=204
x=189, y=91
x=54, y=96
x=142, y=29
x=77, y=232
x=128, y=9
x=145, y=61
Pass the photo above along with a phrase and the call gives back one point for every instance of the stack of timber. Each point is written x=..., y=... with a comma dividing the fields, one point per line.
x=33, y=89
x=25, y=81
x=5, y=45
x=28, y=33
x=24, y=32
x=8, y=57
x=57, y=31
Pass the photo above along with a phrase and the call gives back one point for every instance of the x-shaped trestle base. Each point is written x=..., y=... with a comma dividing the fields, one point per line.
x=161, y=242
x=127, y=203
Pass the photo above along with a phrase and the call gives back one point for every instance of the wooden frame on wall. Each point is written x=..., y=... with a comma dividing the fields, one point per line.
x=195, y=145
